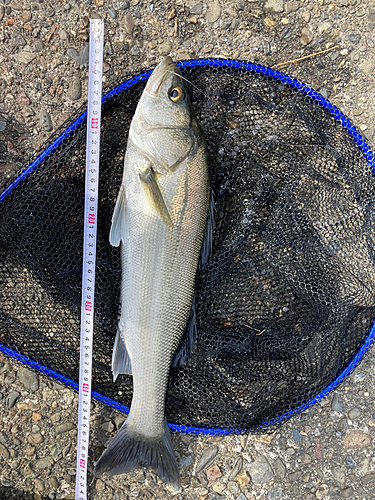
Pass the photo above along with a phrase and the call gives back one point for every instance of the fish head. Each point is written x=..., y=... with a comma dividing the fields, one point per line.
x=164, y=127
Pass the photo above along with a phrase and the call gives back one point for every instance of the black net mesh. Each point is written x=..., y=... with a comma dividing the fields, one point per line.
x=288, y=297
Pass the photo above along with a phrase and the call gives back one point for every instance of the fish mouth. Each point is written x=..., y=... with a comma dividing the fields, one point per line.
x=159, y=74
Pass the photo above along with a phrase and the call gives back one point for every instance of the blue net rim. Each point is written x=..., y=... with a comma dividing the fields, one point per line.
x=214, y=62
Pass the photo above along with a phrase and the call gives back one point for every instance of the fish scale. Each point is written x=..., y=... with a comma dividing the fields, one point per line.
x=160, y=219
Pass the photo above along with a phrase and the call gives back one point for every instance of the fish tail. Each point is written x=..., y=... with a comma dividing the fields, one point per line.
x=128, y=449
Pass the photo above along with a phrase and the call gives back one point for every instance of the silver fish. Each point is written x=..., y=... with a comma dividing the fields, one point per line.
x=160, y=218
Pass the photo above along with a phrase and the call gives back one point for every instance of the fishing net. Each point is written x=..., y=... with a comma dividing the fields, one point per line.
x=286, y=305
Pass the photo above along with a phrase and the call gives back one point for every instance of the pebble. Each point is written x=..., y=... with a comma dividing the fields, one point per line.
x=213, y=11
x=206, y=459
x=260, y=470
x=367, y=67
x=128, y=23
x=122, y=5
x=292, y=6
x=108, y=426
x=213, y=474
x=12, y=398
x=354, y=56
x=237, y=467
x=44, y=463
x=18, y=40
x=356, y=439
x=99, y=485
x=112, y=12
x=347, y=492
x=10, y=378
x=56, y=61
x=36, y=438
x=233, y=487
x=26, y=16
x=6, y=482
x=326, y=93
x=279, y=468
x=135, y=51
x=119, y=420
x=53, y=482
x=64, y=36
x=50, y=11
x=297, y=436
x=360, y=12
x=319, y=451
x=81, y=57
x=29, y=378
x=45, y=121
x=186, y=461
x=75, y=89
x=354, y=38
x=336, y=404
x=306, y=16
x=293, y=476
x=354, y=413
x=274, y=6
x=39, y=484
x=196, y=9
x=350, y=462
x=306, y=36
x=28, y=472
x=165, y=48
x=339, y=476
x=243, y=479
x=241, y=497
x=25, y=58
x=276, y=495
x=322, y=491
x=2, y=11
x=3, y=126
x=30, y=450
x=65, y=427
x=55, y=450
x=38, y=46
x=4, y=452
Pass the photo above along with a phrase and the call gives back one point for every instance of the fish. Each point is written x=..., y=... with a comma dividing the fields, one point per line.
x=161, y=220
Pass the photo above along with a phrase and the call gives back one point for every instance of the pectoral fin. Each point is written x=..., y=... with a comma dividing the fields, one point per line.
x=118, y=228
x=154, y=195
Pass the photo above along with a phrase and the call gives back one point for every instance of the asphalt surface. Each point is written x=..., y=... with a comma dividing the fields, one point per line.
x=326, y=452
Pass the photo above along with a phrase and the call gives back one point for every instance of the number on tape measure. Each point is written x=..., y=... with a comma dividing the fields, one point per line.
x=89, y=250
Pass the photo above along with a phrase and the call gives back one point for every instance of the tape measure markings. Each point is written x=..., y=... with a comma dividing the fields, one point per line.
x=89, y=250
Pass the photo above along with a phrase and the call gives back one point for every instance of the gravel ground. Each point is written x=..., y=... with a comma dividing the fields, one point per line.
x=327, y=452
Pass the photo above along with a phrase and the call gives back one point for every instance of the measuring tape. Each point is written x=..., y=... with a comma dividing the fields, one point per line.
x=89, y=250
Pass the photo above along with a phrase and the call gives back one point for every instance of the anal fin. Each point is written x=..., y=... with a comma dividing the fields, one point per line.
x=121, y=362
x=208, y=237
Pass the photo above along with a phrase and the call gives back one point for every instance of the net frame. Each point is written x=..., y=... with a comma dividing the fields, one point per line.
x=65, y=132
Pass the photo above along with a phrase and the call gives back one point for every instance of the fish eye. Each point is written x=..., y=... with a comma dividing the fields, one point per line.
x=177, y=94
